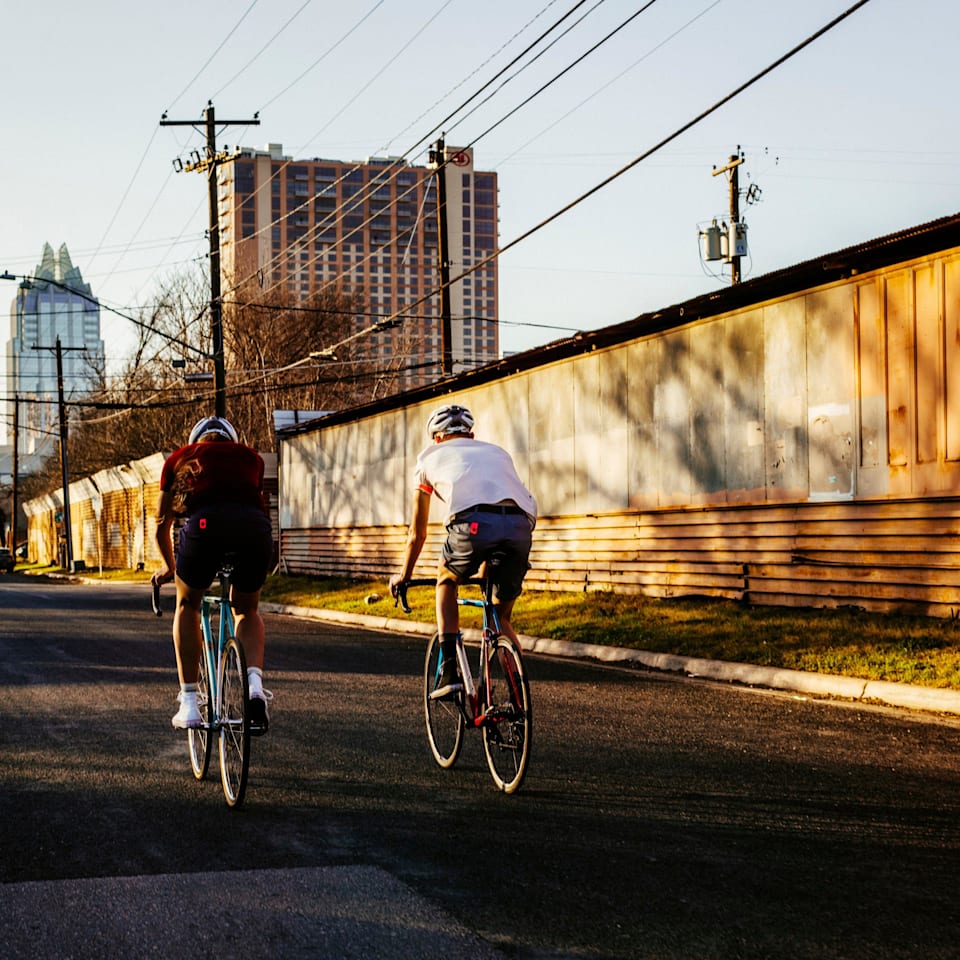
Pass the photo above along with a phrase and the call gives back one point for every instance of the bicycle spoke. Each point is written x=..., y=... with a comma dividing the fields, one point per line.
x=234, y=724
x=199, y=740
x=508, y=722
x=445, y=721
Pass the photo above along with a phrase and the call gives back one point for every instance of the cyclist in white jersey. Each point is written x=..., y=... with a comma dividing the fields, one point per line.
x=487, y=508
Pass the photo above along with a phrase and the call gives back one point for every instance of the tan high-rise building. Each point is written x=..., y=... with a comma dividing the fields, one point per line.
x=300, y=225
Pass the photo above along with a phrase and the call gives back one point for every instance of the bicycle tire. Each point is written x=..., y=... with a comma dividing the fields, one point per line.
x=232, y=694
x=445, y=720
x=200, y=741
x=508, y=722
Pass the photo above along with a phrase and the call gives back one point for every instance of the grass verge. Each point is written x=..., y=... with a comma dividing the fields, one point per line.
x=854, y=643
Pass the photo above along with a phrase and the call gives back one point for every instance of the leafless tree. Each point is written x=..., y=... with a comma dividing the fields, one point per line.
x=165, y=385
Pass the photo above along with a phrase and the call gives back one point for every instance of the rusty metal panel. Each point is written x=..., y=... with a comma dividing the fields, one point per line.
x=346, y=493
x=830, y=392
x=642, y=457
x=742, y=385
x=785, y=400
x=587, y=445
x=871, y=371
x=927, y=405
x=501, y=418
x=899, y=370
x=951, y=386
x=301, y=469
x=386, y=479
x=600, y=431
x=552, y=439
x=707, y=369
x=672, y=410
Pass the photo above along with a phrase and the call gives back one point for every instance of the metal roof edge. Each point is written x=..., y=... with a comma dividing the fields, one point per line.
x=908, y=244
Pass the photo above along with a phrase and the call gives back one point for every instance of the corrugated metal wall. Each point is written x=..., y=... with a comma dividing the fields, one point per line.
x=803, y=450
x=113, y=516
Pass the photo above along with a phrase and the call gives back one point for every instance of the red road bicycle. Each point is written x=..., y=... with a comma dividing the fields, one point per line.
x=496, y=701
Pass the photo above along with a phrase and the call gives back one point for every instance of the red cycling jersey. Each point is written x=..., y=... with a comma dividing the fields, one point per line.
x=213, y=472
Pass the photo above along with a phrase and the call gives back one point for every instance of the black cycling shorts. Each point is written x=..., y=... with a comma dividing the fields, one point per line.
x=216, y=530
x=473, y=535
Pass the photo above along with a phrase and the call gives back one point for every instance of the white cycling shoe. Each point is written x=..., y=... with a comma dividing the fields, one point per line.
x=188, y=717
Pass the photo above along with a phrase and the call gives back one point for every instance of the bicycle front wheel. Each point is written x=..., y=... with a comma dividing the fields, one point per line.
x=234, y=723
x=508, y=719
x=199, y=740
x=445, y=722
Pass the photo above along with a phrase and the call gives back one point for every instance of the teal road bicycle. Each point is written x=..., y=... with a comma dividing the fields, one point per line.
x=222, y=695
x=496, y=701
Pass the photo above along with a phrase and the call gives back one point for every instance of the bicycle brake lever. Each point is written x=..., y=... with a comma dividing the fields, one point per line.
x=401, y=598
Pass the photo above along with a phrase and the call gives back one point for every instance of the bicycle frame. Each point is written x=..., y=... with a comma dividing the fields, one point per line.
x=496, y=701
x=223, y=695
x=213, y=652
x=490, y=630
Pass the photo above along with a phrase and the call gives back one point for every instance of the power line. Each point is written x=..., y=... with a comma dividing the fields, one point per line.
x=269, y=43
x=619, y=173
x=406, y=154
x=223, y=43
x=610, y=83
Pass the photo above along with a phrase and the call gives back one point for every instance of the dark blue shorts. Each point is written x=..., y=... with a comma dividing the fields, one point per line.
x=216, y=530
x=474, y=534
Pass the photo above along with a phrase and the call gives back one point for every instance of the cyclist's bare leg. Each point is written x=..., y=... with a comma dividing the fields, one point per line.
x=186, y=631
x=249, y=625
x=504, y=610
x=448, y=613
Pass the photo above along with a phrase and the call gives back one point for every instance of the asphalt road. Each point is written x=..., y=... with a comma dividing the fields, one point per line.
x=661, y=817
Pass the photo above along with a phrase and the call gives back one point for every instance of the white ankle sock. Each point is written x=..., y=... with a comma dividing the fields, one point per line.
x=255, y=681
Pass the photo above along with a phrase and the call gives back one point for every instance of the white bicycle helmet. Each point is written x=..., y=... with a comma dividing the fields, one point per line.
x=449, y=419
x=213, y=426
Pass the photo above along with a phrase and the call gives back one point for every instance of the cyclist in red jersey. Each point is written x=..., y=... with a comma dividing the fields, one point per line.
x=216, y=483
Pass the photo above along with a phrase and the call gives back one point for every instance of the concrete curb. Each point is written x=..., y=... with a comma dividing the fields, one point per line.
x=910, y=696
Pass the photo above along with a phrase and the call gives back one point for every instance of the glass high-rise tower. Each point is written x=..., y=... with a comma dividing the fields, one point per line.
x=55, y=303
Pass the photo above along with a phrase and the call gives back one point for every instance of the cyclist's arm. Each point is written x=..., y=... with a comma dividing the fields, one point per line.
x=165, y=538
x=416, y=537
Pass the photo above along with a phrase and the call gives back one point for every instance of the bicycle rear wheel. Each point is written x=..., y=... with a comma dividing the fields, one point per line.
x=445, y=722
x=199, y=740
x=508, y=722
x=234, y=723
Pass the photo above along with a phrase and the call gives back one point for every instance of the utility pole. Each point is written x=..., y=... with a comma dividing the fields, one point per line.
x=15, y=467
x=439, y=157
x=64, y=471
x=63, y=458
x=731, y=169
x=209, y=164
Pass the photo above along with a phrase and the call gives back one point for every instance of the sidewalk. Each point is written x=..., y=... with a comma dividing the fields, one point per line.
x=910, y=696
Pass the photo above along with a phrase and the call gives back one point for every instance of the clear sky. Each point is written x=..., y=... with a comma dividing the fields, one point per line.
x=853, y=138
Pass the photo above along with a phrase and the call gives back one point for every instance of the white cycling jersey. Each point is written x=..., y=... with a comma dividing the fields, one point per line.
x=465, y=473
